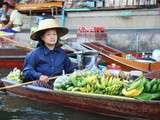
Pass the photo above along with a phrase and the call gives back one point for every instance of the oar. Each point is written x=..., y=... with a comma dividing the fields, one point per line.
x=16, y=44
x=26, y=83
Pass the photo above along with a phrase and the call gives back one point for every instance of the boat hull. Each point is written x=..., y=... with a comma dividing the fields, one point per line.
x=11, y=62
x=101, y=104
x=10, y=58
x=111, y=55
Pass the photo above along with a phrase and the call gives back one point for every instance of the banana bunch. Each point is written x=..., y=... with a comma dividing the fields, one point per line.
x=152, y=86
x=15, y=75
x=151, y=90
x=112, y=85
x=135, y=88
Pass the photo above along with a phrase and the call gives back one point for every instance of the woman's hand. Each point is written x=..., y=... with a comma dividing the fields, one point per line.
x=44, y=78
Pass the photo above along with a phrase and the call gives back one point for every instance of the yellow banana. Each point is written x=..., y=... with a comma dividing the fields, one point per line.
x=132, y=93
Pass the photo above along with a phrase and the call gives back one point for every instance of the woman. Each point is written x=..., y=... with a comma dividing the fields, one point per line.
x=48, y=59
x=15, y=18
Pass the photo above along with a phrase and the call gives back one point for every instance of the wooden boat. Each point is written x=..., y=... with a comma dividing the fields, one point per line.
x=116, y=106
x=11, y=57
x=111, y=55
x=14, y=57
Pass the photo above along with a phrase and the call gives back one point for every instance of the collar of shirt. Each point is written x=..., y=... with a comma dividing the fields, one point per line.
x=47, y=51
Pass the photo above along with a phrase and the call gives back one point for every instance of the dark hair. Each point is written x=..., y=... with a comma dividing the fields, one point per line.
x=41, y=42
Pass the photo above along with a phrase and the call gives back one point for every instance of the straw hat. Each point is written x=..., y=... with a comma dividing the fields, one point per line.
x=48, y=24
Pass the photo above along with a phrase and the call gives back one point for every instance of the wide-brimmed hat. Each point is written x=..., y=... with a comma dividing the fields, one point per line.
x=9, y=2
x=48, y=24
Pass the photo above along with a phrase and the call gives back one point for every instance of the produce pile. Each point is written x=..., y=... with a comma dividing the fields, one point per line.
x=91, y=82
x=88, y=81
x=108, y=84
x=15, y=75
x=143, y=88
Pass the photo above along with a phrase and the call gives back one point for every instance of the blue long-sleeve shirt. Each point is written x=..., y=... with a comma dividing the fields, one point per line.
x=43, y=61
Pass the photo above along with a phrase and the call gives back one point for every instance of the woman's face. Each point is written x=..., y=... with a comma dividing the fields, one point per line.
x=50, y=37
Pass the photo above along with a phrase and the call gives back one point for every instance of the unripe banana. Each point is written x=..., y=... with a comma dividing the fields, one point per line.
x=134, y=85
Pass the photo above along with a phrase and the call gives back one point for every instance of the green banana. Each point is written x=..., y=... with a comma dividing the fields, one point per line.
x=147, y=87
x=154, y=88
x=158, y=85
x=134, y=85
x=158, y=88
x=153, y=81
x=151, y=86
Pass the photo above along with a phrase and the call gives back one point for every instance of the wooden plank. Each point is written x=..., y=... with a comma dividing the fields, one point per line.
x=130, y=63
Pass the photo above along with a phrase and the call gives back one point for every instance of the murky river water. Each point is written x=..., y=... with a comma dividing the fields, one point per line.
x=17, y=108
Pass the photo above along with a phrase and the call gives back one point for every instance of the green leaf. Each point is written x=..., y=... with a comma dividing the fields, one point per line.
x=148, y=96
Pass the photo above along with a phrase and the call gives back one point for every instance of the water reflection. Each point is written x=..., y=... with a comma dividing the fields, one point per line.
x=17, y=108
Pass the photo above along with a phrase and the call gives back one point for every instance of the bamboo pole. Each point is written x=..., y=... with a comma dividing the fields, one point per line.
x=16, y=44
x=26, y=83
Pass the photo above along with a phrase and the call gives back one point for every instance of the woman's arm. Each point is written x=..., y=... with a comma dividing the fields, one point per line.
x=29, y=67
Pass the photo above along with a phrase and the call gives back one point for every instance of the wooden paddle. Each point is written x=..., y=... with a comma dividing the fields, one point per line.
x=16, y=44
x=26, y=83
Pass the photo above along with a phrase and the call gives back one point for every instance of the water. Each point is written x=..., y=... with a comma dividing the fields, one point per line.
x=20, y=108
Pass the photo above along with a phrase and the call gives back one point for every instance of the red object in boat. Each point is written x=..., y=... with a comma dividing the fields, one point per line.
x=114, y=67
x=134, y=54
x=137, y=55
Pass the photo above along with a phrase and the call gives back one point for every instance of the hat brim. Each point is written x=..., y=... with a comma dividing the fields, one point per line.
x=61, y=31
